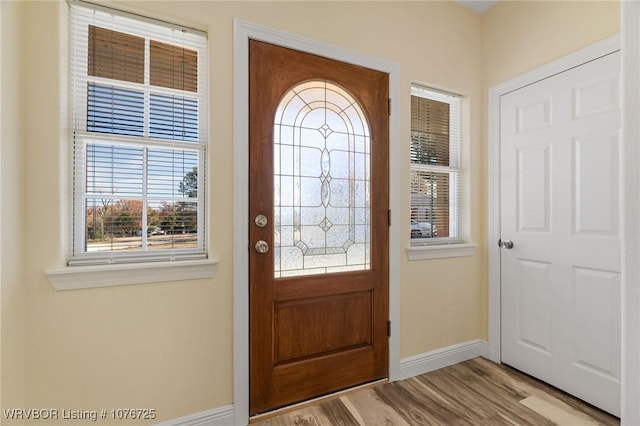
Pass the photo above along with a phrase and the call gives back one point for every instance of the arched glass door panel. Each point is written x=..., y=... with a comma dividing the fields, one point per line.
x=321, y=182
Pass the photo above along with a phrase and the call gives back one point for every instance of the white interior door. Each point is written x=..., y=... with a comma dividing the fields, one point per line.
x=560, y=207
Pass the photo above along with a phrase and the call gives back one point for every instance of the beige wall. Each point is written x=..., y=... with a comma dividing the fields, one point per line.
x=521, y=35
x=169, y=345
x=12, y=288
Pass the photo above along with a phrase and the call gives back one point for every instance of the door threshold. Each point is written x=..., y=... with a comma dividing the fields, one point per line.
x=317, y=400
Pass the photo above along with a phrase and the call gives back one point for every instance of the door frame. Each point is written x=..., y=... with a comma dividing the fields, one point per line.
x=630, y=27
x=242, y=32
x=589, y=53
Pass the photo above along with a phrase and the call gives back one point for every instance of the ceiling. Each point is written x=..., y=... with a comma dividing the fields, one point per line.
x=478, y=6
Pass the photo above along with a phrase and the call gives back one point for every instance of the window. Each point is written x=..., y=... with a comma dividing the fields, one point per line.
x=139, y=111
x=435, y=166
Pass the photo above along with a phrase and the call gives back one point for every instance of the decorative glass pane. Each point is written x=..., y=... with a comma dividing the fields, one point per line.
x=321, y=182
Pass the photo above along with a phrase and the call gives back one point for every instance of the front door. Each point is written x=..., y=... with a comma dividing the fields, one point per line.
x=318, y=208
x=561, y=256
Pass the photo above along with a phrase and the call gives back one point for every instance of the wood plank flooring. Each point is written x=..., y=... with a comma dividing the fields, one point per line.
x=476, y=392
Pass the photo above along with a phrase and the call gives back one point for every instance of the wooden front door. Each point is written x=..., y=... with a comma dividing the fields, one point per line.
x=318, y=209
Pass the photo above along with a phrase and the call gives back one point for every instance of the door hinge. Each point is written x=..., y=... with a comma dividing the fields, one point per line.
x=389, y=106
x=388, y=328
x=389, y=218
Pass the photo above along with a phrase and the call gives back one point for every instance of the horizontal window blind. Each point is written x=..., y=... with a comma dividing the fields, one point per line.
x=173, y=117
x=115, y=55
x=139, y=101
x=429, y=132
x=435, y=166
x=114, y=110
x=173, y=66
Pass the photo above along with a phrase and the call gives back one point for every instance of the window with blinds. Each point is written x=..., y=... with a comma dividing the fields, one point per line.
x=139, y=111
x=435, y=166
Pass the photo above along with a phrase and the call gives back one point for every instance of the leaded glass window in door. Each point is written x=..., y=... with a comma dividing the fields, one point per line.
x=321, y=182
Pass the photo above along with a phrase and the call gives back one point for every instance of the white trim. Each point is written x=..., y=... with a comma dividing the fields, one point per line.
x=243, y=31
x=441, y=251
x=630, y=152
x=79, y=277
x=587, y=54
x=440, y=358
x=222, y=416
x=409, y=367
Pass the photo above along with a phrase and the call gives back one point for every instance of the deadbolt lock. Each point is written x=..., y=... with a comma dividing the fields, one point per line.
x=261, y=221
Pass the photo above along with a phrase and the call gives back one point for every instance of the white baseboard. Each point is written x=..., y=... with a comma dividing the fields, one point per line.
x=440, y=358
x=222, y=416
x=409, y=367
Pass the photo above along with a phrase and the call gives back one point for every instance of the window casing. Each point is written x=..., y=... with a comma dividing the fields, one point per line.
x=435, y=170
x=139, y=142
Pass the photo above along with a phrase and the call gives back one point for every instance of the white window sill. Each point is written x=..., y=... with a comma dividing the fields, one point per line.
x=78, y=277
x=441, y=251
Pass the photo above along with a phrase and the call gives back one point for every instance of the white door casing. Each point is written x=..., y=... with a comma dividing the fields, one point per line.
x=630, y=28
x=560, y=186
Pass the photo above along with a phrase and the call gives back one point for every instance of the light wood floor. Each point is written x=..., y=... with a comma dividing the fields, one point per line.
x=476, y=392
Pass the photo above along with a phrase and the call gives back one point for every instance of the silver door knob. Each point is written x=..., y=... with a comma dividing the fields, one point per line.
x=262, y=247
x=506, y=244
